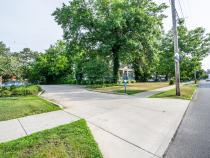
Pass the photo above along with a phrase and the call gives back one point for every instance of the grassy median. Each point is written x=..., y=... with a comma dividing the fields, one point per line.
x=68, y=141
x=15, y=107
x=187, y=92
x=132, y=88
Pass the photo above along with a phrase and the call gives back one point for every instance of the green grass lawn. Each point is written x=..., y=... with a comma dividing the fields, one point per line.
x=186, y=93
x=15, y=107
x=68, y=141
x=132, y=88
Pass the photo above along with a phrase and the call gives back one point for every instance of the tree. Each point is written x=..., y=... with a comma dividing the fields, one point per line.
x=9, y=65
x=52, y=66
x=25, y=57
x=194, y=46
x=96, y=70
x=113, y=29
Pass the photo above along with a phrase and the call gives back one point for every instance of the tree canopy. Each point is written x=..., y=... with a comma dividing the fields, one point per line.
x=194, y=46
x=116, y=29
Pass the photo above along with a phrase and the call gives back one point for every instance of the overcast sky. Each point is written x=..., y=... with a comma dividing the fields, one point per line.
x=28, y=23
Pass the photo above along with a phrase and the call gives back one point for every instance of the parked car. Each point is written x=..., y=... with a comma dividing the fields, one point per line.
x=13, y=83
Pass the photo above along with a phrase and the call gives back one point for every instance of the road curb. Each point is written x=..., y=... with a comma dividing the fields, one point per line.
x=53, y=102
x=40, y=93
x=105, y=92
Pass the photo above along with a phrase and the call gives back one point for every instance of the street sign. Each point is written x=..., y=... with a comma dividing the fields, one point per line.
x=125, y=86
x=177, y=57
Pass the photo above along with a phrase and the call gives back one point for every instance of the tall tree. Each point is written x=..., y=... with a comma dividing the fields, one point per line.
x=112, y=28
x=25, y=57
x=194, y=46
x=51, y=66
x=9, y=64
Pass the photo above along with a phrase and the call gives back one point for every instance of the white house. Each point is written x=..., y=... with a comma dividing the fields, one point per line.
x=126, y=72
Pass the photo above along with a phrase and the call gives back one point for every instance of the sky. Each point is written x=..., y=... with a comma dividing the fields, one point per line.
x=28, y=23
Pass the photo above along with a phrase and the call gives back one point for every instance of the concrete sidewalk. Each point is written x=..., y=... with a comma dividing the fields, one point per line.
x=153, y=92
x=123, y=126
x=148, y=94
x=16, y=128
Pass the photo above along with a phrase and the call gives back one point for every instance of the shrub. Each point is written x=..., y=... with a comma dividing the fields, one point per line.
x=69, y=79
x=132, y=81
x=171, y=82
x=20, y=91
x=5, y=93
x=33, y=90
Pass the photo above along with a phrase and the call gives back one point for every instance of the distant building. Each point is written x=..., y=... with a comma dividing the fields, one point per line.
x=126, y=72
x=208, y=71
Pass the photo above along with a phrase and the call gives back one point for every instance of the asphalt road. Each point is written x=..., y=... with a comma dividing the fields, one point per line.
x=193, y=136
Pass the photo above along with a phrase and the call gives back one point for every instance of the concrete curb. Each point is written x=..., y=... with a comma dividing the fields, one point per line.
x=53, y=102
x=106, y=92
x=176, y=132
x=40, y=93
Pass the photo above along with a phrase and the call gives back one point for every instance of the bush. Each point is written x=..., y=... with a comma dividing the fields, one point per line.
x=132, y=81
x=171, y=82
x=5, y=93
x=69, y=79
x=20, y=91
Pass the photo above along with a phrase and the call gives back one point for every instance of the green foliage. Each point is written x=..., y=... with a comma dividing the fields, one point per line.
x=171, y=82
x=26, y=57
x=194, y=46
x=20, y=91
x=5, y=93
x=118, y=30
x=95, y=70
x=69, y=79
x=9, y=65
x=51, y=66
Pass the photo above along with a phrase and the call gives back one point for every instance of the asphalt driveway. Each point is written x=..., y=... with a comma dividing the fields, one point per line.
x=123, y=126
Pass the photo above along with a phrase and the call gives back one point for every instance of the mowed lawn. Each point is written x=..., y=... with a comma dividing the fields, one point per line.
x=68, y=141
x=15, y=107
x=187, y=92
x=132, y=88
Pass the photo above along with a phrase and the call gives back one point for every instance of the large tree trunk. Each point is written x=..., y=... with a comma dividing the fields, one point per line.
x=116, y=63
x=137, y=71
x=141, y=72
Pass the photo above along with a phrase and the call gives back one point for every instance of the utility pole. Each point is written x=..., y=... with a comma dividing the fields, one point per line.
x=195, y=77
x=176, y=48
